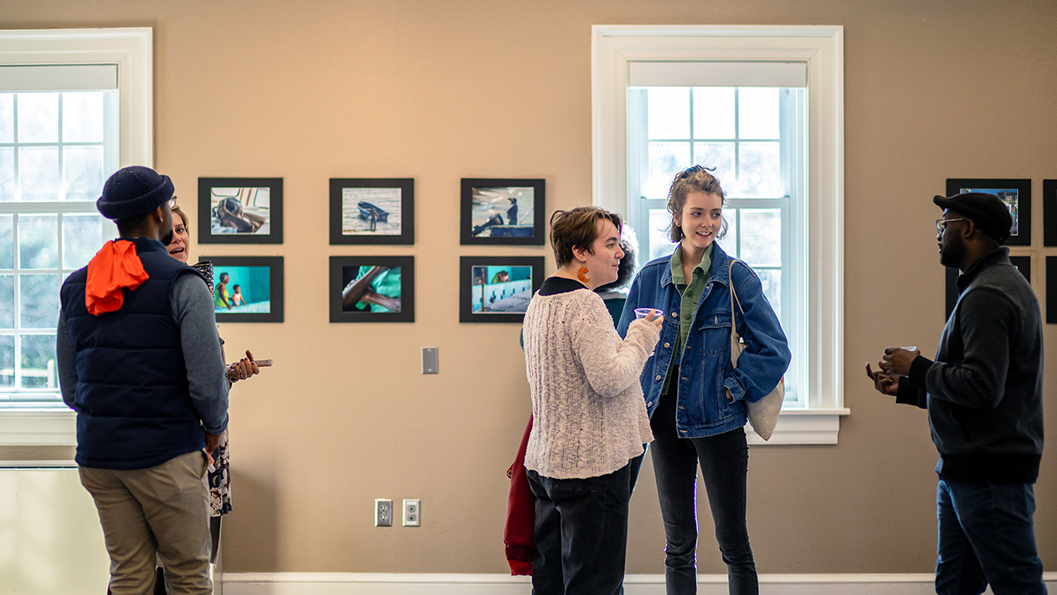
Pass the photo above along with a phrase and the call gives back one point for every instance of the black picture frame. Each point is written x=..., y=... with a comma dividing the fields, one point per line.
x=258, y=283
x=1051, y=290
x=1049, y=212
x=391, y=202
x=520, y=292
x=1016, y=193
x=346, y=269
x=1022, y=262
x=261, y=201
x=486, y=210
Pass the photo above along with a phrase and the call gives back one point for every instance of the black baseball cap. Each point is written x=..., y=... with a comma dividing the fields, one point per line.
x=986, y=211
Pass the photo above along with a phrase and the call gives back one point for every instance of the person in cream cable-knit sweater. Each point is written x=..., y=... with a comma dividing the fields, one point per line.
x=589, y=417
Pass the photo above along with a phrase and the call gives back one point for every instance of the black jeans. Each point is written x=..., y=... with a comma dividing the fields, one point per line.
x=581, y=533
x=724, y=460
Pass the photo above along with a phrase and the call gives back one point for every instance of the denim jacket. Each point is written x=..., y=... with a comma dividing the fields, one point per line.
x=704, y=367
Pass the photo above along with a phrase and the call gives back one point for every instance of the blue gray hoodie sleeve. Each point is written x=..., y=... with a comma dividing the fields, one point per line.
x=193, y=310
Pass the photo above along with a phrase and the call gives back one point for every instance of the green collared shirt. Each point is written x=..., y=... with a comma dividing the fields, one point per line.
x=691, y=293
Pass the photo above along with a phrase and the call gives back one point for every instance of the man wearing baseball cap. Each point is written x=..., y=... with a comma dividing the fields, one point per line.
x=983, y=394
x=139, y=360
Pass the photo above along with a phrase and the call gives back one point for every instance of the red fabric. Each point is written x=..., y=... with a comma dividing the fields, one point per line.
x=115, y=267
x=520, y=514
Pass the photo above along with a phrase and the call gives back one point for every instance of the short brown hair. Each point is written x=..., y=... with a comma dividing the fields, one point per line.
x=696, y=178
x=183, y=217
x=575, y=228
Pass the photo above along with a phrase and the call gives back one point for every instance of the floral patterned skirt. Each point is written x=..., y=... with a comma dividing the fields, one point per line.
x=220, y=479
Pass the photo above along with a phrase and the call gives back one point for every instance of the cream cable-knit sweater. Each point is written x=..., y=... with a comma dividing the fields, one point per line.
x=589, y=417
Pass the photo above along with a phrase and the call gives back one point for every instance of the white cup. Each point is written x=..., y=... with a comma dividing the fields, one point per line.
x=644, y=312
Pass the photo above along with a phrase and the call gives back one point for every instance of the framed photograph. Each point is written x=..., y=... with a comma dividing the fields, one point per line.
x=240, y=210
x=1051, y=290
x=372, y=288
x=372, y=211
x=1016, y=194
x=497, y=288
x=1023, y=264
x=503, y=212
x=1049, y=212
x=245, y=288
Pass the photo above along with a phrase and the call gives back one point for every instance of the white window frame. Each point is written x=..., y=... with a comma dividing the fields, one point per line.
x=130, y=49
x=614, y=47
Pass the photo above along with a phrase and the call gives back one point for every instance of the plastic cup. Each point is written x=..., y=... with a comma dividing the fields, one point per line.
x=644, y=312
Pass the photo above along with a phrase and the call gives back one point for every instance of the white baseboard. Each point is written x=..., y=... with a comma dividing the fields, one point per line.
x=337, y=583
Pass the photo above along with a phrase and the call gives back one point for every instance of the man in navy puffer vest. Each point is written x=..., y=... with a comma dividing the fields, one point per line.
x=139, y=360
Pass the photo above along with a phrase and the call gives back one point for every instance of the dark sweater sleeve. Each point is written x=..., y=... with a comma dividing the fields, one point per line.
x=911, y=395
x=978, y=380
x=206, y=376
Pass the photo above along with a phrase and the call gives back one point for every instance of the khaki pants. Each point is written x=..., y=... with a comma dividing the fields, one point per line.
x=161, y=511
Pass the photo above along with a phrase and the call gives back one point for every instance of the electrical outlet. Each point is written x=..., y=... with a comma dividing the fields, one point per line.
x=383, y=512
x=412, y=513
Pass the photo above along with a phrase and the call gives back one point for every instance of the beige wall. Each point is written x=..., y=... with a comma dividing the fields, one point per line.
x=438, y=91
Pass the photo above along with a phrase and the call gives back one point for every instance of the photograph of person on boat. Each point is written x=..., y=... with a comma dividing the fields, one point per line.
x=501, y=289
x=370, y=289
x=240, y=210
x=370, y=211
x=242, y=290
x=497, y=211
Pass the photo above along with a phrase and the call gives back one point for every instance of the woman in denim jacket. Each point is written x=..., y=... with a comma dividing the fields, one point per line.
x=695, y=398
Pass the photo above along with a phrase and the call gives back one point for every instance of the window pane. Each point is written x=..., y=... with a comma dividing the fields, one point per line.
x=38, y=238
x=660, y=245
x=83, y=172
x=761, y=237
x=714, y=112
x=7, y=117
x=7, y=361
x=772, y=288
x=729, y=242
x=719, y=156
x=7, y=301
x=38, y=361
x=39, y=301
x=666, y=159
x=82, y=117
x=759, y=171
x=758, y=112
x=38, y=117
x=7, y=241
x=81, y=239
x=7, y=174
x=39, y=172
x=668, y=112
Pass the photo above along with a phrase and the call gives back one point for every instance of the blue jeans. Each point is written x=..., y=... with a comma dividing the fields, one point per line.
x=581, y=533
x=724, y=460
x=986, y=536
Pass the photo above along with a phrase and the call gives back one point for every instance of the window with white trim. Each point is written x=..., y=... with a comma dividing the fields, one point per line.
x=74, y=107
x=762, y=106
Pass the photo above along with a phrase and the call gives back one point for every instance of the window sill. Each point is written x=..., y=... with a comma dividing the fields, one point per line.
x=802, y=426
x=38, y=428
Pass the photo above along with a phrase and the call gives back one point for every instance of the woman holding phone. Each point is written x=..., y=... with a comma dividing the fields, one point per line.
x=695, y=397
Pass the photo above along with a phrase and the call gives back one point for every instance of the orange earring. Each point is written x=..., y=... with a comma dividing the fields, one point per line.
x=582, y=275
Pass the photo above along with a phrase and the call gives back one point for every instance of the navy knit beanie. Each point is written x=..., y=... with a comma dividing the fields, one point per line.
x=133, y=192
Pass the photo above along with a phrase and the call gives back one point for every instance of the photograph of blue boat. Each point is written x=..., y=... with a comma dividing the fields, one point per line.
x=503, y=212
x=371, y=211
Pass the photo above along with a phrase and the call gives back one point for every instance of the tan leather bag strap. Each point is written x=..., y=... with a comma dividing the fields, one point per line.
x=733, y=298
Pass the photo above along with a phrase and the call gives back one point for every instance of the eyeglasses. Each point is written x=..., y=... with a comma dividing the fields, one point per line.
x=172, y=202
x=941, y=224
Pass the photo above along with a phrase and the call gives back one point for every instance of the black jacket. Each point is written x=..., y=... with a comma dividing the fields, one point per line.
x=984, y=391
